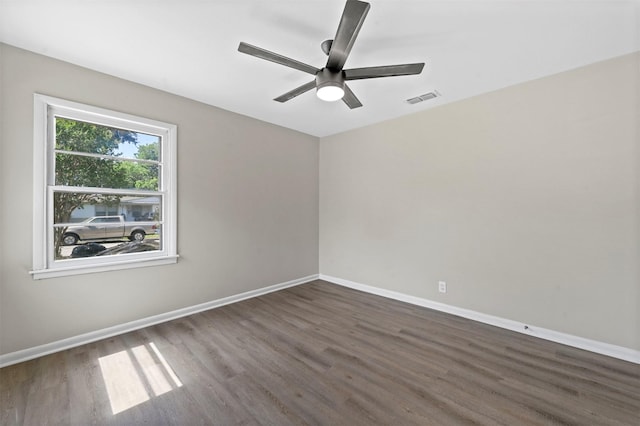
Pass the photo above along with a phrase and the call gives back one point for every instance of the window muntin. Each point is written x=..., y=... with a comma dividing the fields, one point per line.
x=114, y=168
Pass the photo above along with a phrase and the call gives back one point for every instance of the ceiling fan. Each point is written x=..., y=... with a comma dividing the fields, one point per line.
x=330, y=81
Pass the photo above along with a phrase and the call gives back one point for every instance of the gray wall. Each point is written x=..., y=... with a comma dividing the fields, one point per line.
x=247, y=208
x=525, y=201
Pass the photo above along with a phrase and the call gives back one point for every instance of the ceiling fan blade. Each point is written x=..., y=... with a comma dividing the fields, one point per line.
x=348, y=28
x=383, y=71
x=350, y=99
x=274, y=57
x=297, y=91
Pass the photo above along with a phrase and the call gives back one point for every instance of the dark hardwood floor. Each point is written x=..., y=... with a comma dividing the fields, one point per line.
x=321, y=354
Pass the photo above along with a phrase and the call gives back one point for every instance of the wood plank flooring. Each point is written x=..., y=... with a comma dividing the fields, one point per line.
x=320, y=354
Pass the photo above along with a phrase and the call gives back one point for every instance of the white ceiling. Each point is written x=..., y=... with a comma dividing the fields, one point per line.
x=189, y=47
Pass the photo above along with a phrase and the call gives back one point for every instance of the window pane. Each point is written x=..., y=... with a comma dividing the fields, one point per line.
x=77, y=170
x=72, y=207
x=79, y=221
x=80, y=136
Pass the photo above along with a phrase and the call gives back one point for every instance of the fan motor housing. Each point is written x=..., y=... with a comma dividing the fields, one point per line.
x=326, y=77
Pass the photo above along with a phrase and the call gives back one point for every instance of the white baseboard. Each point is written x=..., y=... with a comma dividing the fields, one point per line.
x=614, y=351
x=71, y=342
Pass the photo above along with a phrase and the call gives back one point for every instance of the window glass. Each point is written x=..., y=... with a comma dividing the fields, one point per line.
x=92, y=155
x=91, y=138
x=132, y=226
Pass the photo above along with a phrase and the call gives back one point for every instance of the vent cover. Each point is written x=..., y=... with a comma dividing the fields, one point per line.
x=424, y=97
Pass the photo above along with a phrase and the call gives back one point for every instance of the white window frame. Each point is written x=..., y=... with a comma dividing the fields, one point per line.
x=45, y=109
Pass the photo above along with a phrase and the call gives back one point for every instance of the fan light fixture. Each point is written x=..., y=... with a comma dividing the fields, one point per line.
x=330, y=93
x=329, y=85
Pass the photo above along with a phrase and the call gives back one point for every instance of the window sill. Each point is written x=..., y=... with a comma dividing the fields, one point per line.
x=112, y=266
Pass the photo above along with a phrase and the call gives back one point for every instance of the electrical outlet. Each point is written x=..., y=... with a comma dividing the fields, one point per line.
x=442, y=286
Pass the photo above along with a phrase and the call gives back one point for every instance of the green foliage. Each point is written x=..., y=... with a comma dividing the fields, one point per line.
x=147, y=177
x=77, y=170
x=79, y=136
x=149, y=152
x=139, y=175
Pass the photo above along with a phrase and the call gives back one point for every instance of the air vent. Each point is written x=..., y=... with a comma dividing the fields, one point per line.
x=424, y=97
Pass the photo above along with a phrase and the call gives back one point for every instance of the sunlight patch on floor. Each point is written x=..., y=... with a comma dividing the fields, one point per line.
x=135, y=375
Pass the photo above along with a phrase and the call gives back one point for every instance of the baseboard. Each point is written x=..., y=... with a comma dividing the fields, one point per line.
x=71, y=342
x=602, y=348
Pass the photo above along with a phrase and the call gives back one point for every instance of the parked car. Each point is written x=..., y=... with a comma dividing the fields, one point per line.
x=87, y=250
x=131, y=247
x=106, y=227
x=95, y=249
